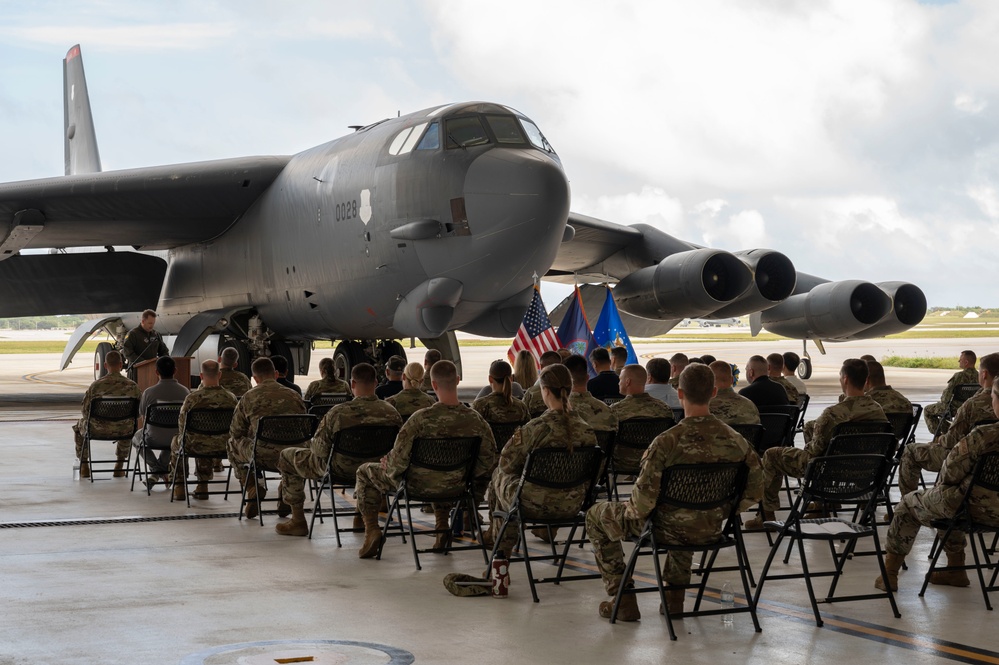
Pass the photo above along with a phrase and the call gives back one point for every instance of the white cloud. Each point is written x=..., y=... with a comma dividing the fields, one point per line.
x=169, y=36
x=651, y=205
x=744, y=230
x=987, y=199
x=969, y=104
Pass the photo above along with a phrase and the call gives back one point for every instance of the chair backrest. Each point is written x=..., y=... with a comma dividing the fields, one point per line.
x=803, y=400
x=753, y=434
x=320, y=410
x=286, y=430
x=986, y=473
x=703, y=486
x=962, y=393
x=844, y=477
x=678, y=413
x=330, y=399
x=564, y=469
x=163, y=414
x=791, y=410
x=778, y=430
x=638, y=433
x=502, y=433
x=209, y=421
x=610, y=401
x=114, y=408
x=445, y=453
x=364, y=442
x=901, y=424
x=862, y=427
x=871, y=443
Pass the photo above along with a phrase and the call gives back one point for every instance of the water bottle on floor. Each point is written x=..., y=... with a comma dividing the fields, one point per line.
x=727, y=603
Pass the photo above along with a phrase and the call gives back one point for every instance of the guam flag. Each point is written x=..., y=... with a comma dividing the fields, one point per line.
x=610, y=330
x=574, y=331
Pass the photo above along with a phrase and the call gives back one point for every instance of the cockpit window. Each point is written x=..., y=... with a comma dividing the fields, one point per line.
x=506, y=129
x=465, y=132
x=535, y=136
x=431, y=140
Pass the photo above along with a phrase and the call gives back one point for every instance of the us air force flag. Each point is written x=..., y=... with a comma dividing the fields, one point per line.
x=610, y=331
x=574, y=331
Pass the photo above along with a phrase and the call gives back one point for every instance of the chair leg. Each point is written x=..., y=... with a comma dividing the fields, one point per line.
x=746, y=573
x=766, y=567
x=808, y=581
x=388, y=520
x=565, y=553
x=978, y=569
x=660, y=583
x=884, y=576
x=935, y=552
x=412, y=534
x=527, y=560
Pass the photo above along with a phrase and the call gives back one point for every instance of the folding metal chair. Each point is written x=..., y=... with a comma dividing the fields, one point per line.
x=440, y=470
x=206, y=422
x=355, y=446
x=984, y=480
x=502, y=433
x=276, y=431
x=695, y=487
x=573, y=472
x=778, y=431
x=109, y=419
x=962, y=393
x=833, y=478
x=802, y=405
x=164, y=416
x=330, y=399
x=633, y=437
x=678, y=414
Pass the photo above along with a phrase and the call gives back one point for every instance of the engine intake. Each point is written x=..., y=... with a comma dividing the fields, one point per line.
x=908, y=309
x=831, y=311
x=773, y=281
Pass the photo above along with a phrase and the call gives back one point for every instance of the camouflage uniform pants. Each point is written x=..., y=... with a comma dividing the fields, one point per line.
x=372, y=484
x=607, y=526
x=297, y=464
x=202, y=466
x=918, y=456
x=808, y=430
x=501, y=495
x=239, y=456
x=932, y=415
x=120, y=450
x=778, y=462
x=918, y=509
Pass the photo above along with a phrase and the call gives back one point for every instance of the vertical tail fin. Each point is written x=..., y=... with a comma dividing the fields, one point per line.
x=80, y=138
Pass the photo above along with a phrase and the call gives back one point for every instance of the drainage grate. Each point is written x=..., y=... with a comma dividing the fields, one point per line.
x=86, y=521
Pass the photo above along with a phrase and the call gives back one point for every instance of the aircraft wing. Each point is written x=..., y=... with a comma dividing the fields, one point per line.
x=149, y=208
x=593, y=243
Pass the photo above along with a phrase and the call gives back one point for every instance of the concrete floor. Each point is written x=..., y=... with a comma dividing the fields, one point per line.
x=83, y=584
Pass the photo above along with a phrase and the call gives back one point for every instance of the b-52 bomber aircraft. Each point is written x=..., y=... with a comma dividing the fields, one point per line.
x=416, y=226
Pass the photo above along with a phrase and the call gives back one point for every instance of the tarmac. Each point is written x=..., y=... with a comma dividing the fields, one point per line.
x=95, y=573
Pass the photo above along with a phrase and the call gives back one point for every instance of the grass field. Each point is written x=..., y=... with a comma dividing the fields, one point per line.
x=934, y=362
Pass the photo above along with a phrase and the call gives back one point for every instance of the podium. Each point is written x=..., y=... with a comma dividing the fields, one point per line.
x=145, y=372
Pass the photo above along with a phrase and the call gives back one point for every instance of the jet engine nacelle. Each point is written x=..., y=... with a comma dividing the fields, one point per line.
x=831, y=310
x=908, y=309
x=773, y=280
x=686, y=284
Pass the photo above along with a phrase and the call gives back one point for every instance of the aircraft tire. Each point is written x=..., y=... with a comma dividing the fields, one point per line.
x=805, y=369
x=392, y=348
x=280, y=348
x=100, y=371
x=347, y=354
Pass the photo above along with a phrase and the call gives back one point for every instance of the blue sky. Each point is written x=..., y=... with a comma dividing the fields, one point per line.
x=861, y=139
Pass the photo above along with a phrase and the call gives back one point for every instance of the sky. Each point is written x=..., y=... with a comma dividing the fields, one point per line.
x=859, y=138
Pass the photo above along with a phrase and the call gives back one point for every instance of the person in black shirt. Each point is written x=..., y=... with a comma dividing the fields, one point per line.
x=605, y=383
x=281, y=371
x=394, y=368
x=761, y=391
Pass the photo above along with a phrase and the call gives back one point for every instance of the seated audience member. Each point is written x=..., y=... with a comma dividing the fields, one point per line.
x=327, y=383
x=281, y=373
x=761, y=391
x=605, y=383
x=412, y=397
x=112, y=384
x=525, y=370
x=677, y=363
x=726, y=405
x=499, y=406
x=159, y=439
x=659, y=385
x=394, y=368
x=967, y=374
x=791, y=362
x=619, y=358
x=775, y=370
x=532, y=396
x=231, y=378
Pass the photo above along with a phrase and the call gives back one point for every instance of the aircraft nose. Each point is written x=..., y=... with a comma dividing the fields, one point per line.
x=516, y=203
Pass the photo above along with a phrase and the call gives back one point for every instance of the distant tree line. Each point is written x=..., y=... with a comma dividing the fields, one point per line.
x=42, y=322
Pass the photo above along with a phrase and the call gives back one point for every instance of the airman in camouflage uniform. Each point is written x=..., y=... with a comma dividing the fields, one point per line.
x=775, y=370
x=533, y=401
x=555, y=428
x=495, y=409
x=267, y=398
x=891, y=400
x=412, y=397
x=113, y=384
x=921, y=507
x=930, y=456
x=636, y=404
x=328, y=383
x=210, y=395
x=700, y=438
x=231, y=378
x=297, y=464
x=727, y=405
x=596, y=414
x=967, y=374
x=793, y=461
x=447, y=418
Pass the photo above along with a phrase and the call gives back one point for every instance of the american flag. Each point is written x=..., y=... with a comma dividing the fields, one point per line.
x=536, y=333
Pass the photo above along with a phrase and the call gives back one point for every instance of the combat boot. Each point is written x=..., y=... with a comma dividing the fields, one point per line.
x=358, y=522
x=542, y=533
x=627, y=611
x=296, y=526
x=757, y=522
x=178, y=492
x=217, y=466
x=251, y=495
x=372, y=536
x=488, y=538
x=84, y=469
x=952, y=577
x=893, y=562
x=201, y=492
x=443, y=524
x=674, y=602
x=119, y=468
x=283, y=509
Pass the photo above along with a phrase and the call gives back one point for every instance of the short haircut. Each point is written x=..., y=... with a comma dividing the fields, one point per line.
x=600, y=355
x=867, y=358
x=775, y=361
x=707, y=359
x=791, y=360
x=364, y=374
x=262, y=367
x=636, y=372
x=166, y=367
x=210, y=369
x=990, y=364
x=697, y=383
x=970, y=355
x=445, y=374
x=431, y=356
x=229, y=356
x=758, y=364
x=550, y=358
x=113, y=359
x=679, y=359
x=875, y=373
x=620, y=353
x=658, y=369
x=146, y=313
x=578, y=368
x=855, y=371
x=563, y=353
x=722, y=371
x=326, y=367
x=280, y=364
x=695, y=359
